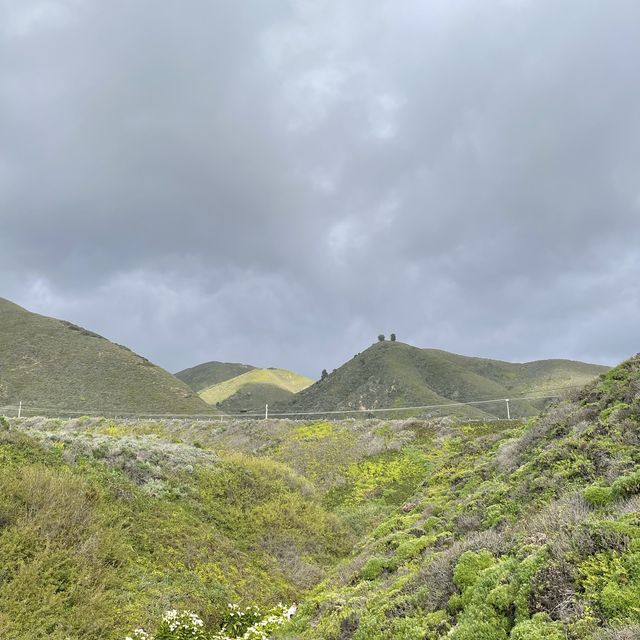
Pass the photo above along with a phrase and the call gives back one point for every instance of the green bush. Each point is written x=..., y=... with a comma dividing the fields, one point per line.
x=495, y=593
x=626, y=486
x=493, y=515
x=478, y=628
x=469, y=566
x=374, y=568
x=598, y=496
x=539, y=627
x=611, y=583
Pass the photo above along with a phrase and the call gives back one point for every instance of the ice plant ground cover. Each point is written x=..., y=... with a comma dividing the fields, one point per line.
x=241, y=624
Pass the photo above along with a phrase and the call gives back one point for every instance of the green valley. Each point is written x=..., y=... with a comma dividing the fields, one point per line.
x=409, y=529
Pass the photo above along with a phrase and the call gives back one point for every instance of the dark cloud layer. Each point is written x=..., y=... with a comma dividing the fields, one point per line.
x=277, y=182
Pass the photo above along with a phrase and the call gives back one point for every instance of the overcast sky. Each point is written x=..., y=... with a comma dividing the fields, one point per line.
x=276, y=182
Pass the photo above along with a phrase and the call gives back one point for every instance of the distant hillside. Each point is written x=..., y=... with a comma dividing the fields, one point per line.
x=252, y=390
x=393, y=374
x=209, y=373
x=53, y=364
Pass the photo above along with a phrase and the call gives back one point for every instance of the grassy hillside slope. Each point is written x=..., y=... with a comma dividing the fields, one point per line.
x=517, y=533
x=56, y=365
x=209, y=373
x=529, y=377
x=391, y=374
x=254, y=389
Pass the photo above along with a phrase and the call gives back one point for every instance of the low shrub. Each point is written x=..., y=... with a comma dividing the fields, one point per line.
x=539, y=627
x=598, y=496
x=611, y=583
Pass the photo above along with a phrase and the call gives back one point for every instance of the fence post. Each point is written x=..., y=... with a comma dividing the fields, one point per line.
x=20, y=409
x=266, y=411
x=508, y=410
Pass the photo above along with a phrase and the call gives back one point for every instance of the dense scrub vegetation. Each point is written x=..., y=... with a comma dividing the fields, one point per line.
x=404, y=529
x=95, y=540
x=528, y=532
x=104, y=526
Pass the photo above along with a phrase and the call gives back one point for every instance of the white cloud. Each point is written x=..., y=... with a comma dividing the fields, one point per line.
x=283, y=181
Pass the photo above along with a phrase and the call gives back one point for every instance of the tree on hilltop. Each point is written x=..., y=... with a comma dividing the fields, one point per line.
x=381, y=337
x=393, y=337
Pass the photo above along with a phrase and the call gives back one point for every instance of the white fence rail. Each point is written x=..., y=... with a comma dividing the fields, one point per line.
x=505, y=405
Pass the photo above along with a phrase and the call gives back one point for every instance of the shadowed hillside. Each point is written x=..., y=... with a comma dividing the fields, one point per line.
x=53, y=364
x=209, y=373
x=389, y=374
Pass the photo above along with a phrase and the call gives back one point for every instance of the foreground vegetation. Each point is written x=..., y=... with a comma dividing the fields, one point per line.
x=405, y=529
x=105, y=526
x=528, y=532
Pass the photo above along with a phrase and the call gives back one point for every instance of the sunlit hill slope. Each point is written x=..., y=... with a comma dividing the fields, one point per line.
x=255, y=388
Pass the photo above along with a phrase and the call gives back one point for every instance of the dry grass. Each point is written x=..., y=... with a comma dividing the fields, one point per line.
x=628, y=632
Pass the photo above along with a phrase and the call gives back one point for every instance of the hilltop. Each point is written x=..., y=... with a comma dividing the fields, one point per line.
x=250, y=391
x=55, y=365
x=394, y=374
x=209, y=373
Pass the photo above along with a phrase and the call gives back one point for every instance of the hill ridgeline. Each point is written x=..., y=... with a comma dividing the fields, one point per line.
x=209, y=373
x=394, y=374
x=250, y=390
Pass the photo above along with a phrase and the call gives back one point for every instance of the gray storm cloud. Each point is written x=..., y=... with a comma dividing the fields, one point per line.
x=278, y=182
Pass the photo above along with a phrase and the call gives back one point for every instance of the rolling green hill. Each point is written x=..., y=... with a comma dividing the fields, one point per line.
x=209, y=373
x=392, y=374
x=54, y=365
x=250, y=391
